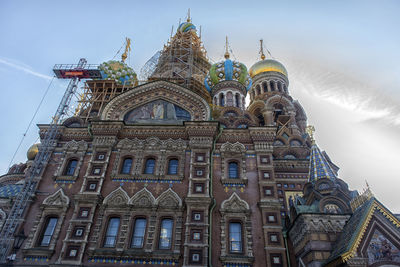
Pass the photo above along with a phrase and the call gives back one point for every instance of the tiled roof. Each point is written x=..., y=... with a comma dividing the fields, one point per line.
x=319, y=166
x=350, y=230
x=10, y=190
x=353, y=230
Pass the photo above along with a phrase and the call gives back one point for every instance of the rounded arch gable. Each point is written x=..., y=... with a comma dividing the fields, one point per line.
x=281, y=100
x=185, y=99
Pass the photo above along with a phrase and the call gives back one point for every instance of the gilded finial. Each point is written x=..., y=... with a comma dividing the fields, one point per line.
x=310, y=131
x=127, y=49
x=226, y=48
x=262, y=50
x=188, y=16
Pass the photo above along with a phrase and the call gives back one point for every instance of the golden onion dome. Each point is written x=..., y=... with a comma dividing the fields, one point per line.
x=32, y=152
x=267, y=65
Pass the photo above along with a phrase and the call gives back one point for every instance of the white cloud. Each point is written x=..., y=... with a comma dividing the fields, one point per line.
x=346, y=92
x=23, y=67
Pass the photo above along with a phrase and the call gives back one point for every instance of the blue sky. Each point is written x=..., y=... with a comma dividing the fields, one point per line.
x=342, y=58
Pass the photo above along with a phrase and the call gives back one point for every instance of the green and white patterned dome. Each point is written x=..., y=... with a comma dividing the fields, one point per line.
x=119, y=72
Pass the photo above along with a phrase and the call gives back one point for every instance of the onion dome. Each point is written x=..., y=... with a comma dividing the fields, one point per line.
x=227, y=70
x=119, y=72
x=32, y=152
x=186, y=27
x=267, y=65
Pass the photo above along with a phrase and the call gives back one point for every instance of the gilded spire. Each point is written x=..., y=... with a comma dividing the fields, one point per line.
x=188, y=16
x=310, y=131
x=262, y=50
x=226, y=48
x=127, y=49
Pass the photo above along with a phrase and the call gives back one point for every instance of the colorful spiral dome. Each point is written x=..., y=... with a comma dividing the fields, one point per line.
x=267, y=65
x=118, y=71
x=186, y=26
x=227, y=70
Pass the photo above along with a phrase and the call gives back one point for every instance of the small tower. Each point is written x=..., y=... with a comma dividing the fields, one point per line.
x=228, y=82
x=270, y=101
x=184, y=60
x=268, y=76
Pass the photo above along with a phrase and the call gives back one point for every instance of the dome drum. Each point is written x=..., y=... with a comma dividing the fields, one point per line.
x=266, y=85
x=228, y=85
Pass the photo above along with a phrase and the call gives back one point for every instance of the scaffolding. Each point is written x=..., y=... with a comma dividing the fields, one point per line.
x=96, y=94
x=183, y=61
x=48, y=142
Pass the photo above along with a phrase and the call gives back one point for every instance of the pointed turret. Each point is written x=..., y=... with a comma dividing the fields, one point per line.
x=319, y=164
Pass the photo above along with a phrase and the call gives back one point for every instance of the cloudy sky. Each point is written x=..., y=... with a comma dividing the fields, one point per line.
x=342, y=58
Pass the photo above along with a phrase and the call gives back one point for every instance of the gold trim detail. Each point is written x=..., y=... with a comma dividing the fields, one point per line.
x=375, y=206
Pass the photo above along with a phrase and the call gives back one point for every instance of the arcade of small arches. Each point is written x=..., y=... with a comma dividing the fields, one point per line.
x=268, y=86
x=229, y=99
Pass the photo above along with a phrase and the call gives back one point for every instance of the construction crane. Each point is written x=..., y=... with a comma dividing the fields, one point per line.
x=74, y=72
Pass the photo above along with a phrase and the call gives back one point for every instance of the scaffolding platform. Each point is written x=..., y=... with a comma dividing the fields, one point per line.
x=68, y=71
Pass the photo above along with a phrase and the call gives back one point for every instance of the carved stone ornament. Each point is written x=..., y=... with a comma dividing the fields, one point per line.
x=233, y=148
x=234, y=204
x=57, y=199
x=169, y=199
x=118, y=197
x=75, y=146
x=143, y=198
x=152, y=143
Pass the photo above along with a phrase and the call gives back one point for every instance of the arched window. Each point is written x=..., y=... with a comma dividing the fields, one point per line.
x=221, y=100
x=237, y=100
x=150, y=164
x=265, y=87
x=229, y=99
x=71, y=167
x=279, y=86
x=165, y=234
x=258, y=89
x=173, y=166
x=138, y=233
x=271, y=84
x=126, y=166
x=233, y=170
x=112, y=232
x=235, y=237
x=48, y=231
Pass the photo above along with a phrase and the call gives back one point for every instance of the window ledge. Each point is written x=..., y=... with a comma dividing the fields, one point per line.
x=240, y=258
x=236, y=181
x=65, y=178
x=38, y=252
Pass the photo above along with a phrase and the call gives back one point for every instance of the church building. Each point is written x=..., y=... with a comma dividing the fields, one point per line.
x=178, y=170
